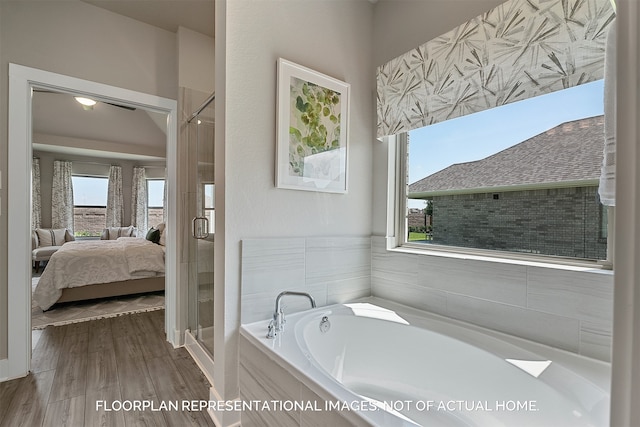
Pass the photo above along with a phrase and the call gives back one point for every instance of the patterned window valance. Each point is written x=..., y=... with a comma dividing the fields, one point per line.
x=518, y=50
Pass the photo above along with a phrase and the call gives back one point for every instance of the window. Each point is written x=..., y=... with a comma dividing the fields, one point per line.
x=209, y=204
x=155, y=201
x=89, y=205
x=521, y=179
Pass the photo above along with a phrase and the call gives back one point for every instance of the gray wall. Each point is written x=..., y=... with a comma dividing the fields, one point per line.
x=563, y=222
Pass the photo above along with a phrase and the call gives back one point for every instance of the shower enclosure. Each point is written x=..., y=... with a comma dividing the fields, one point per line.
x=201, y=143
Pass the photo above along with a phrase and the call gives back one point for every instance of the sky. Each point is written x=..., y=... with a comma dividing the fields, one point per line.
x=89, y=191
x=480, y=135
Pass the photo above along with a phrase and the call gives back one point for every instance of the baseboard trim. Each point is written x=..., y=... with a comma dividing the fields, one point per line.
x=223, y=418
x=4, y=370
x=199, y=355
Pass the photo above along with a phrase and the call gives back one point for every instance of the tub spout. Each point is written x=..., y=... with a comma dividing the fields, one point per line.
x=277, y=323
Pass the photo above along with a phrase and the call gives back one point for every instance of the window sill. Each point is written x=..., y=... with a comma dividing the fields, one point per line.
x=501, y=257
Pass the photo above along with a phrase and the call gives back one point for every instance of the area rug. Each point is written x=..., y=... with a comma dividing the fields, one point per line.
x=83, y=311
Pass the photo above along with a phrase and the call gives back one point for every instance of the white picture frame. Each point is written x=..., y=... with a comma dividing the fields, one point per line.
x=312, y=130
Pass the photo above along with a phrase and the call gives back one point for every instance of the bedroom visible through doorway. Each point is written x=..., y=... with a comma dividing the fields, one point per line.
x=23, y=81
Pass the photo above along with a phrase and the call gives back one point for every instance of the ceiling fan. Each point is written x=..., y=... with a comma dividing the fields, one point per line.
x=86, y=105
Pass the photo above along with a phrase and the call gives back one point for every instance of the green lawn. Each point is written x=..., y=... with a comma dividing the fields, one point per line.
x=418, y=236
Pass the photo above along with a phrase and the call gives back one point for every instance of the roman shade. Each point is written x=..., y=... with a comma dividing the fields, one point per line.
x=517, y=50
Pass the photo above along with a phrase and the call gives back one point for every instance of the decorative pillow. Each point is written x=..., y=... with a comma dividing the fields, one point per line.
x=163, y=233
x=153, y=235
x=115, y=232
x=51, y=237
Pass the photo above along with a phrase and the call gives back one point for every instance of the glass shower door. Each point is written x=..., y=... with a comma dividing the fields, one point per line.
x=203, y=226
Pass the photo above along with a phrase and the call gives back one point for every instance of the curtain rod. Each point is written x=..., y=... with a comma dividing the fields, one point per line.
x=202, y=107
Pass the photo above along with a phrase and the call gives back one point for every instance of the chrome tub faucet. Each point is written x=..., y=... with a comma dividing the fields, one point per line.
x=277, y=323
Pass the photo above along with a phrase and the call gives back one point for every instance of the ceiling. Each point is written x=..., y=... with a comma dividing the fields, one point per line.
x=60, y=125
x=197, y=15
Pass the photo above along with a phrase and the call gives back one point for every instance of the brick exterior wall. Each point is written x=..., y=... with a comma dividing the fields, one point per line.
x=90, y=221
x=417, y=218
x=562, y=222
x=155, y=217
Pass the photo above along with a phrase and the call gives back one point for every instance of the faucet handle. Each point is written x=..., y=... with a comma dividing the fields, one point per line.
x=271, y=333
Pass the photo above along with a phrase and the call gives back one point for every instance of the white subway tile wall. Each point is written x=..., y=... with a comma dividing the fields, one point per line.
x=332, y=270
x=571, y=310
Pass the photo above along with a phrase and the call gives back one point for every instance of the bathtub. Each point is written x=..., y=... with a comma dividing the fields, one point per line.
x=390, y=365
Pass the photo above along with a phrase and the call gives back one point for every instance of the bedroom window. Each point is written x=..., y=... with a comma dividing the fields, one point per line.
x=521, y=178
x=89, y=205
x=155, y=201
x=209, y=204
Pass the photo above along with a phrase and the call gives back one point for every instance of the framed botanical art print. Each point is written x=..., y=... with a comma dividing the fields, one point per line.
x=312, y=129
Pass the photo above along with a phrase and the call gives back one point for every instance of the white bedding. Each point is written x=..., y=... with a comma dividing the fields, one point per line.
x=89, y=262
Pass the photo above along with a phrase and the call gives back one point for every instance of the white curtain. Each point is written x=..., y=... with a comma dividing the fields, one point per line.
x=62, y=196
x=139, y=199
x=36, y=210
x=115, y=200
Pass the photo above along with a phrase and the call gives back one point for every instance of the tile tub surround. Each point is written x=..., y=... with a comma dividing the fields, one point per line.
x=569, y=310
x=331, y=269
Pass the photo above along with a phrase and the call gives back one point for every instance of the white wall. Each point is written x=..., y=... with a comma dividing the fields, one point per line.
x=331, y=37
x=401, y=25
x=77, y=39
x=196, y=61
x=625, y=393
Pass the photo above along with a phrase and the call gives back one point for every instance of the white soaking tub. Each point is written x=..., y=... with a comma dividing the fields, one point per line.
x=398, y=366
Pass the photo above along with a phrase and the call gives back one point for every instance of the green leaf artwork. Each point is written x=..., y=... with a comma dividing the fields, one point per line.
x=314, y=125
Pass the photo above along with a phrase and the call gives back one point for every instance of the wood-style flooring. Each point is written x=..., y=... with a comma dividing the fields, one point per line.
x=119, y=359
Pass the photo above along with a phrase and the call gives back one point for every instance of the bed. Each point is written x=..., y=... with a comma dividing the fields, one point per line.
x=89, y=269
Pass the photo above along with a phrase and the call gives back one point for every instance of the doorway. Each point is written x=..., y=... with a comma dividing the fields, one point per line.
x=22, y=82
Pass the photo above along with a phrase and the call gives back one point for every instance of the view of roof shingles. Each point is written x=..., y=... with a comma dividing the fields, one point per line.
x=568, y=152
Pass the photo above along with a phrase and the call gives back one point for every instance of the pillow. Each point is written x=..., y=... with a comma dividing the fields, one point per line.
x=115, y=232
x=51, y=237
x=163, y=235
x=153, y=235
